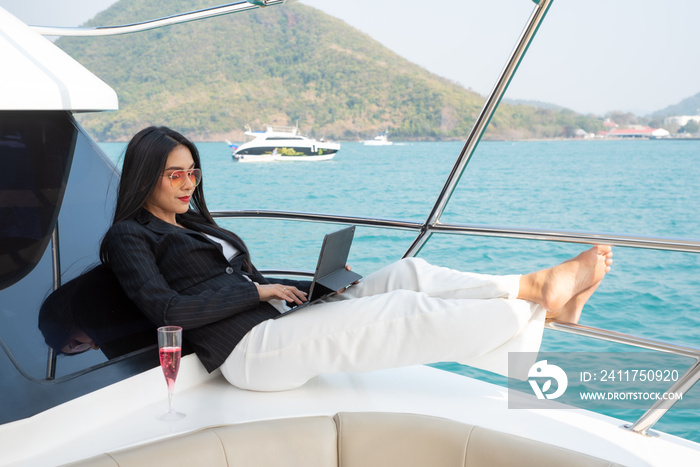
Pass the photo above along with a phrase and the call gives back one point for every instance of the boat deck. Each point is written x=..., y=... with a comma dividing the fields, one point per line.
x=125, y=414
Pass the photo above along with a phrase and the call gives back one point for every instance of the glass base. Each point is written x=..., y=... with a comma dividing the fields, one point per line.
x=170, y=416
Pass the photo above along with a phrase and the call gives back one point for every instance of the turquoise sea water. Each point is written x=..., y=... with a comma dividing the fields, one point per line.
x=641, y=188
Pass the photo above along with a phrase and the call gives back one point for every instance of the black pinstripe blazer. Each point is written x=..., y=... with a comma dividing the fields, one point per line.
x=180, y=277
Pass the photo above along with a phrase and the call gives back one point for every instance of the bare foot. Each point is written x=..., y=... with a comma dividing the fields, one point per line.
x=555, y=287
x=571, y=312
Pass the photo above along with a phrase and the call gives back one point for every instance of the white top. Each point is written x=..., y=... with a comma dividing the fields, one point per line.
x=230, y=251
x=37, y=75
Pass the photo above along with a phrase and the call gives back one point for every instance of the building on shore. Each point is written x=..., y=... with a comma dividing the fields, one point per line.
x=638, y=132
x=681, y=120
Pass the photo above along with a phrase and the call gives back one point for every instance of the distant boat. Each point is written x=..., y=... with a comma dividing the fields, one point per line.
x=382, y=139
x=283, y=144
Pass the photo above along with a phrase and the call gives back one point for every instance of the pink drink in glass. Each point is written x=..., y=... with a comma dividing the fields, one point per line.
x=170, y=363
x=169, y=351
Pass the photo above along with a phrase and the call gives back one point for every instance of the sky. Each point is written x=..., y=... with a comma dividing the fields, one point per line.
x=592, y=56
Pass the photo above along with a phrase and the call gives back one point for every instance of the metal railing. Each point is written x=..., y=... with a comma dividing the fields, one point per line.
x=568, y=236
x=158, y=23
x=482, y=121
x=680, y=387
x=56, y=271
x=433, y=225
x=658, y=409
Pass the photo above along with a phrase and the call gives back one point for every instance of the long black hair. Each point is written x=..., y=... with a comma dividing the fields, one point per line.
x=144, y=162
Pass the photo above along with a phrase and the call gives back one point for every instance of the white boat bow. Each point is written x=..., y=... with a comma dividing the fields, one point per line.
x=124, y=414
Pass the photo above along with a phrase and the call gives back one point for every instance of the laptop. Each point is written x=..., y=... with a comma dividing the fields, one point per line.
x=331, y=275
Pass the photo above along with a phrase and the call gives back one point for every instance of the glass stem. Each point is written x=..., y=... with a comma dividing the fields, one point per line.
x=170, y=401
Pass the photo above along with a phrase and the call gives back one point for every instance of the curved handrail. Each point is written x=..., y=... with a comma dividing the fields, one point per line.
x=626, y=339
x=569, y=236
x=157, y=23
x=320, y=217
x=572, y=236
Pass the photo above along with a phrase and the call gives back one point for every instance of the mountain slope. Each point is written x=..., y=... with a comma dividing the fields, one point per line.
x=280, y=65
x=688, y=106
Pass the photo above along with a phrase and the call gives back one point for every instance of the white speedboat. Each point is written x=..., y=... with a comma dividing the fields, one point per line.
x=382, y=139
x=283, y=144
x=104, y=403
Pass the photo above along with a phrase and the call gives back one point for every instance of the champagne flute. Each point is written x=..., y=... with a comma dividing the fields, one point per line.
x=170, y=351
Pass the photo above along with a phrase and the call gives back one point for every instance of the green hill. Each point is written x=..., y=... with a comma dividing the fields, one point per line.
x=688, y=106
x=281, y=65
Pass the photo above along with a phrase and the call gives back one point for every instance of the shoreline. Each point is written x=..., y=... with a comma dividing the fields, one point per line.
x=462, y=140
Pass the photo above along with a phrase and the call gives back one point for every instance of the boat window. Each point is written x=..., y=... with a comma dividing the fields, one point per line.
x=36, y=155
x=41, y=149
x=277, y=138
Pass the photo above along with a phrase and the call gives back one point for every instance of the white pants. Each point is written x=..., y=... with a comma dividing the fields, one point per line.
x=407, y=313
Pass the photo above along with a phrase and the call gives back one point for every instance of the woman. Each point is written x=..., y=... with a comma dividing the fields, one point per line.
x=181, y=269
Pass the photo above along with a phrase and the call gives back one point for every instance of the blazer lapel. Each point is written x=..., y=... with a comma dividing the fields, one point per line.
x=195, y=229
x=154, y=224
x=218, y=233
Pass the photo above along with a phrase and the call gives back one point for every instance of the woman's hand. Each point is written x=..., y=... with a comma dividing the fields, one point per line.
x=349, y=268
x=287, y=293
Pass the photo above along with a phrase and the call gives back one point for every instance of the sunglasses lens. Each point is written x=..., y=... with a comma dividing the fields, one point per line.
x=196, y=177
x=178, y=178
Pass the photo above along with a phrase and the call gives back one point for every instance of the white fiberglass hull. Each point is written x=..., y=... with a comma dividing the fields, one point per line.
x=288, y=146
x=277, y=158
x=125, y=414
x=380, y=140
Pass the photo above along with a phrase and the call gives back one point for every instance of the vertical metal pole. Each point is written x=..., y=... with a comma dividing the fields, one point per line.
x=481, y=123
x=56, y=262
x=660, y=407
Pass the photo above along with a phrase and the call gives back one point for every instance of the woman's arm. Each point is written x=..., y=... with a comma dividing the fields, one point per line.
x=134, y=263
